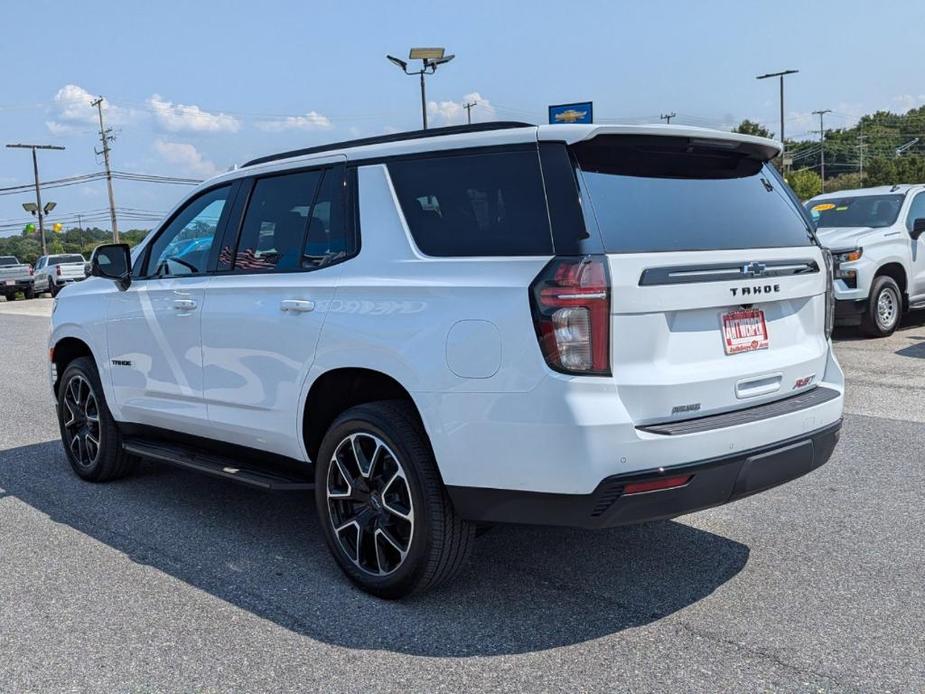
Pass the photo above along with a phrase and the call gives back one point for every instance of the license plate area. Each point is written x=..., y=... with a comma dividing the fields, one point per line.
x=10, y=282
x=744, y=330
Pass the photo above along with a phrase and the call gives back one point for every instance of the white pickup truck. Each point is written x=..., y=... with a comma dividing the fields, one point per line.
x=877, y=240
x=15, y=277
x=52, y=272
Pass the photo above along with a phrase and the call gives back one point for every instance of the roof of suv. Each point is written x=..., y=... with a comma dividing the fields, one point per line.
x=503, y=132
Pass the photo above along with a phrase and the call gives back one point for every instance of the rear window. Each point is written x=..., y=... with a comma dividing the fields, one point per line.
x=679, y=194
x=8, y=260
x=62, y=259
x=475, y=204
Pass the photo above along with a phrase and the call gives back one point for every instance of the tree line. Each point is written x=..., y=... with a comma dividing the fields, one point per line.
x=882, y=148
x=27, y=247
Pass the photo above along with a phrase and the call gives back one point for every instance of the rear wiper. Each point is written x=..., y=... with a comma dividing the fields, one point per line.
x=767, y=185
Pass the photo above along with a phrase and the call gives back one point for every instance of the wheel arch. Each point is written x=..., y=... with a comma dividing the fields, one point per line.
x=897, y=272
x=338, y=389
x=64, y=351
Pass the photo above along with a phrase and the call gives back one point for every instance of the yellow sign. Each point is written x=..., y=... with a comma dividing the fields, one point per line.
x=823, y=207
x=57, y=227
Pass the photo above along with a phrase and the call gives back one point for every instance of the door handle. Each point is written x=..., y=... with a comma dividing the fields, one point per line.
x=184, y=304
x=297, y=305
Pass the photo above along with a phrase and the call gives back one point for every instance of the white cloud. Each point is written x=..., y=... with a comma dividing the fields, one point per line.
x=454, y=112
x=73, y=112
x=182, y=118
x=187, y=157
x=310, y=121
x=907, y=102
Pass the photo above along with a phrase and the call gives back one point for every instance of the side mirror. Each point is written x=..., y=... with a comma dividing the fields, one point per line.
x=112, y=261
x=918, y=227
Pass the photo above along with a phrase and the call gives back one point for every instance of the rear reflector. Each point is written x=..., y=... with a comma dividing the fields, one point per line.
x=656, y=485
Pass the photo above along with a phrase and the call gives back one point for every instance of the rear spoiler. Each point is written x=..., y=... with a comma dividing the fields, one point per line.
x=758, y=147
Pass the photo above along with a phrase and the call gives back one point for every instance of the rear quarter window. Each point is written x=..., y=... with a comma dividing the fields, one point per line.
x=485, y=204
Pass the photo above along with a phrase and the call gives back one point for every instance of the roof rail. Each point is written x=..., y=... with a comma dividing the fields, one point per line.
x=393, y=137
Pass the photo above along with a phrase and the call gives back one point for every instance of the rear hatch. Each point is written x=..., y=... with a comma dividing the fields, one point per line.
x=717, y=285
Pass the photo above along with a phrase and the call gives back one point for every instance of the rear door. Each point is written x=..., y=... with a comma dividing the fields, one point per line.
x=718, y=288
x=266, y=306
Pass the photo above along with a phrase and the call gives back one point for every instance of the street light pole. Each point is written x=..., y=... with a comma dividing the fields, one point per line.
x=423, y=102
x=781, y=75
x=40, y=213
x=430, y=58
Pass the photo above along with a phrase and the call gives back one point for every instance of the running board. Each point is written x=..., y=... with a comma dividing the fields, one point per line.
x=217, y=466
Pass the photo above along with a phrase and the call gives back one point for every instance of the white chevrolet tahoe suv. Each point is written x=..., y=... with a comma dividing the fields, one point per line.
x=441, y=330
x=877, y=239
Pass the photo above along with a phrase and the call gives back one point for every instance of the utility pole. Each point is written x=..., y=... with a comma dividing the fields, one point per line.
x=80, y=234
x=468, y=106
x=821, y=115
x=861, y=159
x=39, y=211
x=781, y=75
x=667, y=117
x=106, y=137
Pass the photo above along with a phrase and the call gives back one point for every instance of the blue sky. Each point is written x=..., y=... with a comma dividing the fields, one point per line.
x=194, y=87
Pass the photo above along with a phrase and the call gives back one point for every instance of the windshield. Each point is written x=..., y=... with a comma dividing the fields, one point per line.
x=674, y=194
x=8, y=260
x=855, y=211
x=61, y=259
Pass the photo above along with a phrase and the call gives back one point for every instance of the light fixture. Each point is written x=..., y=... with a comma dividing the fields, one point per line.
x=30, y=207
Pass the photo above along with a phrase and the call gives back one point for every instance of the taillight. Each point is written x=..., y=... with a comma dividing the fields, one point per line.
x=571, y=312
x=829, y=293
x=58, y=270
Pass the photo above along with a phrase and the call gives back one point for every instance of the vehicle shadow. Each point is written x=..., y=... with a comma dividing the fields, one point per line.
x=526, y=589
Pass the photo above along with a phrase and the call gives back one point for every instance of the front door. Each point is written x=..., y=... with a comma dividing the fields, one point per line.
x=917, y=264
x=154, y=327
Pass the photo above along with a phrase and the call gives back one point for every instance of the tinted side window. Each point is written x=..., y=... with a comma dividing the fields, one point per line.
x=474, y=204
x=275, y=224
x=327, y=240
x=916, y=210
x=184, y=245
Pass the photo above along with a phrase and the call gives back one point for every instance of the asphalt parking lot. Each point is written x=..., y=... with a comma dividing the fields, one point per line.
x=171, y=581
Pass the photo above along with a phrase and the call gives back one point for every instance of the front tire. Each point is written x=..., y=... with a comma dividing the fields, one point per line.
x=884, y=308
x=29, y=293
x=91, y=439
x=386, y=516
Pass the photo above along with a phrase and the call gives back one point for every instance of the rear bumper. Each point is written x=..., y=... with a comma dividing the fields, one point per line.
x=713, y=482
x=16, y=286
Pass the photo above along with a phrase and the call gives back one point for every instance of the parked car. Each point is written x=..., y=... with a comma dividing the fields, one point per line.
x=876, y=239
x=53, y=272
x=562, y=325
x=15, y=277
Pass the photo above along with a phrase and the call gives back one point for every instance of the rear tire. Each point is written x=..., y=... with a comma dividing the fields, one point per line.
x=91, y=438
x=29, y=293
x=391, y=528
x=884, y=308
x=53, y=289
x=9, y=297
